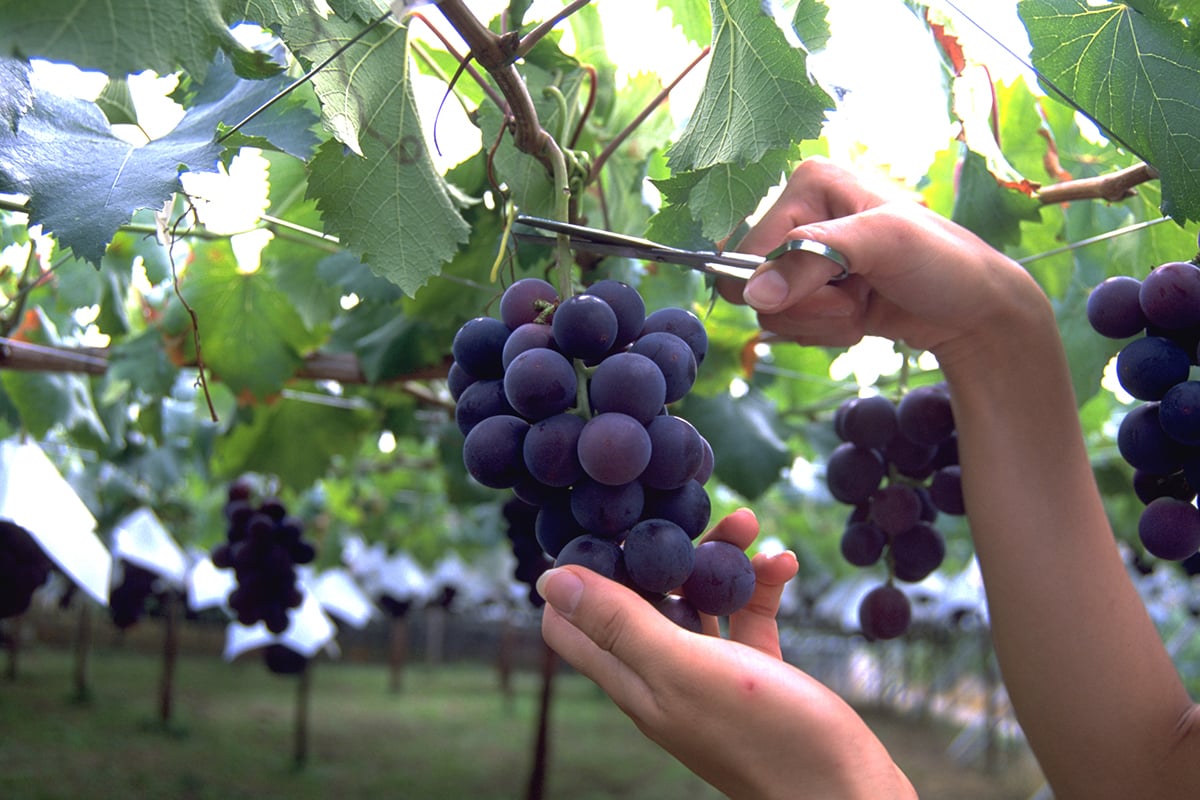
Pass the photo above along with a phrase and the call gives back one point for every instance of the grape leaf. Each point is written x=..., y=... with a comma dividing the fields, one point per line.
x=1135, y=77
x=119, y=37
x=16, y=95
x=389, y=205
x=268, y=444
x=692, y=17
x=991, y=210
x=809, y=23
x=748, y=453
x=757, y=95
x=83, y=182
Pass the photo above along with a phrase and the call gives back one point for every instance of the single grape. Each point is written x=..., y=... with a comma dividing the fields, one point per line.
x=884, y=613
x=682, y=323
x=482, y=399
x=540, y=383
x=283, y=660
x=607, y=511
x=525, y=301
x=527, y=337
x=614, y=448
x=1114, y=309
x=869, y=421
x=895, y=508
x=628, y=306
x=1170, y=295
x=1144, y=444
x=945, y=490
x=1150, y=485
x=862, y=543
x=1179, y=412
x=917, y=552
x=853, y=473
x=924, y=415
x=911, y=459
x=689, y=506
x=1149, y=366
x=457, y=380
x=676, y=453
x=585, y=327
x=674, y=358
x=550, y=450
x=478, y=345
x=602, y=556
x=628, y=383
x=493, y=451
x=681, y=612
x=1170, y=528
x=722, y=579
x=707, y=463
x=555, y=525
x=658, y=555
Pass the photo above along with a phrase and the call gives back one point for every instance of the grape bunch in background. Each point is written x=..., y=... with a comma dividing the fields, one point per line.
x=897, y=465
x=1160, y=437
x=263, y=546
x=24, y=567
x=566, y=402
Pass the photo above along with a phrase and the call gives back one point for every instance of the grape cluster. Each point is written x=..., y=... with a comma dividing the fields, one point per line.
x=1160, y=437
x=23, y=568
x=532, y=561
x=565, y=402
x=897, y=465
x=263, y=546
x=127, y=598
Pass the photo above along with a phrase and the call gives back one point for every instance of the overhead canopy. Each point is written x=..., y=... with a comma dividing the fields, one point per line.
x=34, y=495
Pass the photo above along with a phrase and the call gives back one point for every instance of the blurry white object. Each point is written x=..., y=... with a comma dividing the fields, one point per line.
x=338, y=594
x=208, y=586
x=309, y=630
x=34, y=495
x=141, y=538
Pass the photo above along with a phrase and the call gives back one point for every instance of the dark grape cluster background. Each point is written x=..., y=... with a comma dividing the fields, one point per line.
x=133, y=586
x=897, y=465
x=263, y=546
x=1159, y=437
x=565, y=402
x=24, y=567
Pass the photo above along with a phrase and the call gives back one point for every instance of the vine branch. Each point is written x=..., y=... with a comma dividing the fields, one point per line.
x=1113, y=187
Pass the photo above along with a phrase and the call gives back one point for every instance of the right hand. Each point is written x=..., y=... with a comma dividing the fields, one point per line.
x=915, y=276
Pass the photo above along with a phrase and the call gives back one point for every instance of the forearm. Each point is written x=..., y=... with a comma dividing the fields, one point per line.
x=1093, y=687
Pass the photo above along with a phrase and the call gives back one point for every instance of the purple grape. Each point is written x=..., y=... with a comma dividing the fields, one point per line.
x=525, y=301
x=1170, y=295
x=911, y=459
x=527, y=337
x=707, y=463
x=1150, y=485
x=676, y=453
x=540, y=383
x=869, y=421
x=924, y=415
x=1144, y=444
x=607, y=511
x=862, y=544
x=674, y=358
x=689, y=507
x=1114, y=309
x=550, y=450
x=722, y=579
x=1149, y=366
x=917, y=552
x=884, y=613
x=853, y=473
x=585, y=327
x=478, y=345
x=555, y=525
x=493, y=451
x=1170, y=528
x=945, y=490
x=1179, y=412
x=457, y=380
x=602, y=556
x=682, y=323
x=628, y=383
x=628, y=306
x=895, y=508
x=614, y=448
x=480, y=400
x=681, y=612
x=658, y=555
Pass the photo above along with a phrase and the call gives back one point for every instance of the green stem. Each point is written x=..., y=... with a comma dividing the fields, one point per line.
x=562, y=209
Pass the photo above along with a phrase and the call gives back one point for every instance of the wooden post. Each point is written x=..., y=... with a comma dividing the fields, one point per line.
x=166, y=687
x=541, y=751
x=83, y=648
x=303, y=694
x=397, y=651
x=14, y=645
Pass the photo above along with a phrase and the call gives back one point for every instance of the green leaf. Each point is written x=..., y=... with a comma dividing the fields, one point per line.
x=390, y=205
x=119, y=37
x=292, y=439
x=748, y=452
x=757, y=96
x=142, y=361
x=83, y=182
x=1134, y=76
x=692, y=17
x=16, y=95
x=810, y=24
x=116, y=101
x=992, y=211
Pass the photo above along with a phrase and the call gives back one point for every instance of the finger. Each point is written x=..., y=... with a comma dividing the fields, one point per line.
x=606, y=632
x=755, y=623
x=739, y=528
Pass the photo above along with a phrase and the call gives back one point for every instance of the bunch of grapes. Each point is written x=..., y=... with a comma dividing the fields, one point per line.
x=1159, y=438
x=565, y=402
x=127, y=598
x=24, y=567
x=263, y=546
x=532, y=561
x=897, y=465
x=283, y=660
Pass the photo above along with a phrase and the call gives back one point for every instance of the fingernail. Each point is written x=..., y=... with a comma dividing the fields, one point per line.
x=766, y=290
x=560, y=588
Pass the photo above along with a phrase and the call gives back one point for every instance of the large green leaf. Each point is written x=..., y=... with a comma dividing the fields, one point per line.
x=757, y=95
x=16, y=95
x=389, y=205
x=692, y=17
x=1135, y=77
x=992, y=211
x=123, y=36
x=748, y=452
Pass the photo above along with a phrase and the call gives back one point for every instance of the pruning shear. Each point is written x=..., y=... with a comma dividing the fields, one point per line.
x=602, y=242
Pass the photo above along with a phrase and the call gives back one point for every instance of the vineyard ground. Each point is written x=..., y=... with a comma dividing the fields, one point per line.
x=451, y=732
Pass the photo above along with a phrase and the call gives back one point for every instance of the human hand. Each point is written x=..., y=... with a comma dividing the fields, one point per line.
x=916, y=276
x=729, y=709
